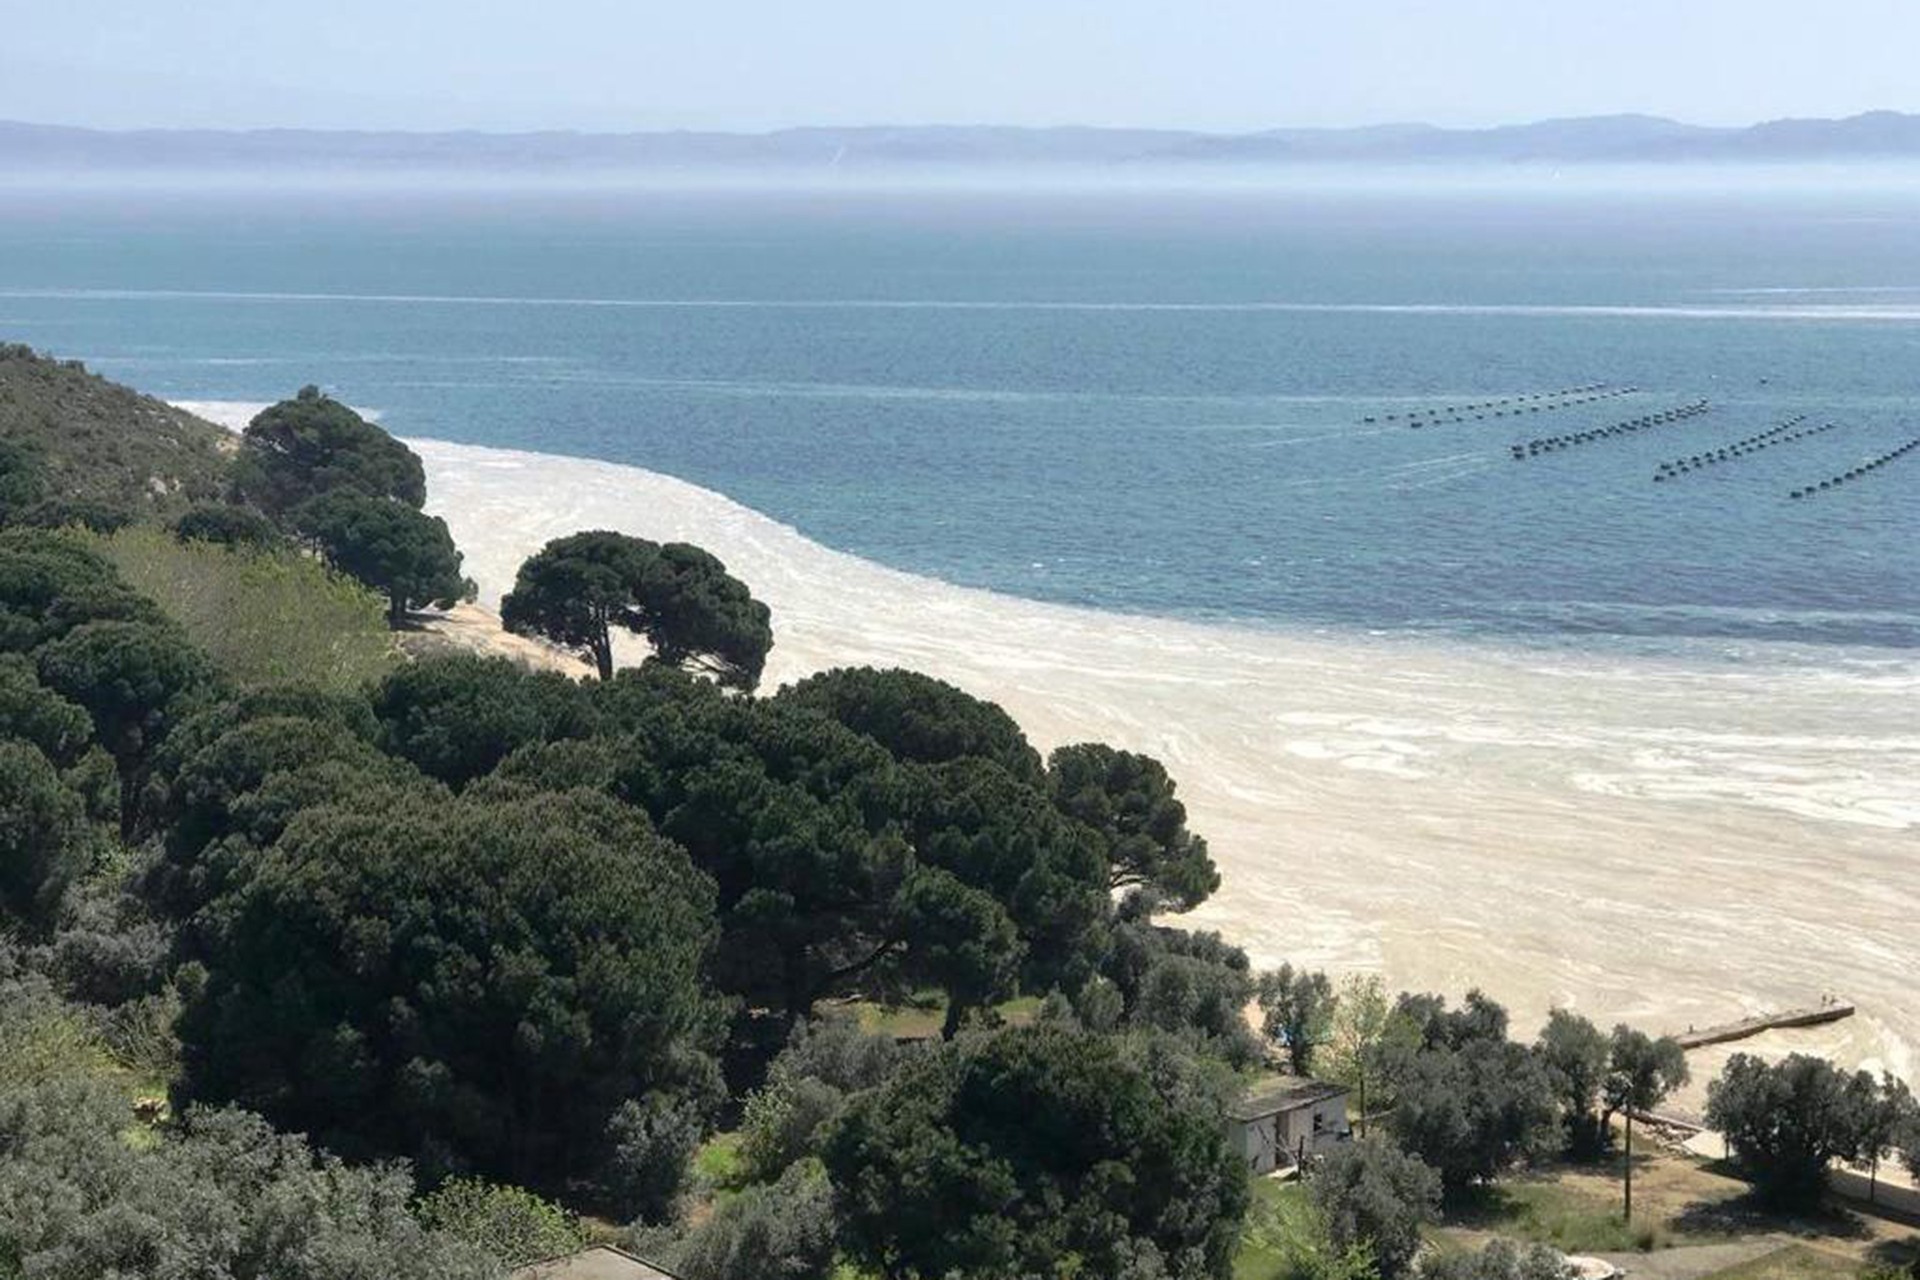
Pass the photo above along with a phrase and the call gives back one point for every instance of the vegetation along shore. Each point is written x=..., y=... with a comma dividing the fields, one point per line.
x=345, y=940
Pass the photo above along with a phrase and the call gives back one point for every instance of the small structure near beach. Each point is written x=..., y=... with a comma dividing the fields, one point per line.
x=596, y=1262
x=1281, y=1121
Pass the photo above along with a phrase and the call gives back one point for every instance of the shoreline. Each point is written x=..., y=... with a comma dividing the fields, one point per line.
x=1651, y=841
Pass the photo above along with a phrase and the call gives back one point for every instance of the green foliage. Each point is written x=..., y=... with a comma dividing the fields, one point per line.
x=44, y=1040
x=43, y=838
x=74, y=438
x=398, y=550
x=89, y=514
x=1373, y=1195
x=1499, y=1260
x=962, y=942
x=576, y=590
x=1129, y=801
x=23, y=478
x=312, y=445
x=1575, y=1054
x=31, y=712
x=825, y=1062
x=1786, y=1121
x=226, y=526
x=782, y=1231
x=512, y=1225
x=221, y=1195
x=262, y=617
x=1296, y=1009
x=918, y=719
x=1038, y=1151
x=137, y=680
x=51, y=583
x=457, y=716
x=478, y=986
x=1641, y=1071
x=1469, y=1102
x=1191, y=985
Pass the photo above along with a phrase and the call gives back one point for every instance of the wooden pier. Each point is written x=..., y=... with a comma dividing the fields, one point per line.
x=1812, y=1016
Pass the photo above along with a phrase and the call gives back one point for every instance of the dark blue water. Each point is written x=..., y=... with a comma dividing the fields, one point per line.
x=1150, y=402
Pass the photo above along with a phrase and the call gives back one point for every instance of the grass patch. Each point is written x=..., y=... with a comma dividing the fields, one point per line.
x=1798, y=1262
x=1550, y=1212
x=1280, y=1235
x=919, y=1015
x=717, y=1162
x=262, y=617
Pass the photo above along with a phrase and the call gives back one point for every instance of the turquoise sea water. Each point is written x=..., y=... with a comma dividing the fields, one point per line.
x=1144, y=401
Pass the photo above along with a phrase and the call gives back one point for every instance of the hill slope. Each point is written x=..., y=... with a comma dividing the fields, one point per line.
x=105, y=443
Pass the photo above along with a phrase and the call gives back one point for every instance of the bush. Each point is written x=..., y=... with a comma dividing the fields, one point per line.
x=1375, y=1196
x=261, y=617
x=513, y=1225
x=780, y=1232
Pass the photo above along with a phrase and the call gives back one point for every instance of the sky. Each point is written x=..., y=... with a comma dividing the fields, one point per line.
x=1221, y=65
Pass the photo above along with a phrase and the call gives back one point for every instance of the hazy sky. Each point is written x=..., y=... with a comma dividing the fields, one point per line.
x=757, y=64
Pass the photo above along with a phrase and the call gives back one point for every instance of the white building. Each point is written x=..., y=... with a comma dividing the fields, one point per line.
x=1281, y=1121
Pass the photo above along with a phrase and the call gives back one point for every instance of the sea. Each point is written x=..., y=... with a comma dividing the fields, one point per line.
x=1648, y=414
x=1440, y=534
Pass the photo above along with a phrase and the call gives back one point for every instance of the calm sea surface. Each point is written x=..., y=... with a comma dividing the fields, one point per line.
x=1152, y=402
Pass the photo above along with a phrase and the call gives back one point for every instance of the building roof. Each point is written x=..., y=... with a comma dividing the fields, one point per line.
x=597, y=1262
x=1271, y=1095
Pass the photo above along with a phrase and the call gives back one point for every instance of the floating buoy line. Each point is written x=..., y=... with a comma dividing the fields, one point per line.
x=1872, y=464
x=1506, y=406
x=1782, y=434
x=1550, y=444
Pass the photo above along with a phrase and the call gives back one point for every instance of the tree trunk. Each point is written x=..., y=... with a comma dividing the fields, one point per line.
x=396, y=611
x=603, y=654
x=1629, y=1216
x=956, y=1014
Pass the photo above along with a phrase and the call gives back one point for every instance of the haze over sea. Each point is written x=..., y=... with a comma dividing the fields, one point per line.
x=1553, y=681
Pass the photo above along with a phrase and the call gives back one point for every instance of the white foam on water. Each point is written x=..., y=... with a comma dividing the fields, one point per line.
x=1668, y=840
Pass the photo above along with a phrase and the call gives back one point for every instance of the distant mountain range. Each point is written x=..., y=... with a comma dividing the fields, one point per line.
x=1878, y=135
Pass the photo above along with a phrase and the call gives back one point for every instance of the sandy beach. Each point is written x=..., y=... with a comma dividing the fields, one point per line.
x=1664, y=842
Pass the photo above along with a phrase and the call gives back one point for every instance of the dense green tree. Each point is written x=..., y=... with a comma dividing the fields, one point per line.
x=826, y=1061
x=1296, y=1012
x=50, y=584
x=509, y=1224
x=219, y=1194
x=1038, y=1151
x=1129, y=801
x=1575, y=1054
x=311, y=445
x=31, y=712
x=1641, y=1072
x=23, y=479
x=399, y=551
x=1889, y=1125
x=919, y=719
x=43, y=838
x=137, y=680
x=457, y=716
x=481, y=987
x=1785, y=1122
x=1372, y=1194
x=1193, y=986
x=1003, y=836
x=227, y=526
x=577, y=590
x=961, y=942
x=1474, y=1111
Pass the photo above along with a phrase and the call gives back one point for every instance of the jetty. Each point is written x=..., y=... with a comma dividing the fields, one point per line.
x=1831, y=1009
